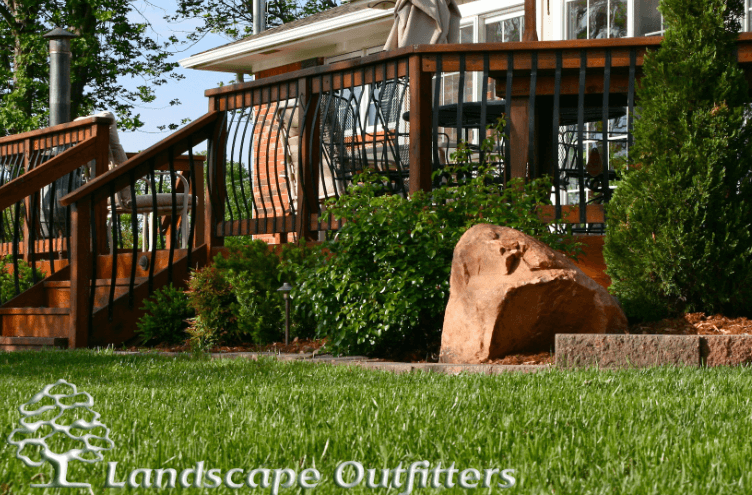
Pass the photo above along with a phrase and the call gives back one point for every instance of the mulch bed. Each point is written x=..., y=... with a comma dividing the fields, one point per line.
x=688, y=324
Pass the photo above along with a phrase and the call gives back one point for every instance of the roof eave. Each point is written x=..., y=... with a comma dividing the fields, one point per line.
x=212, y=59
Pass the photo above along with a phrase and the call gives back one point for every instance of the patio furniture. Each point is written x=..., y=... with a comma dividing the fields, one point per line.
x=144, y=203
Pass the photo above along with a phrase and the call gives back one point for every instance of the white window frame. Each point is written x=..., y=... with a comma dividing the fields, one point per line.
x=630, y=19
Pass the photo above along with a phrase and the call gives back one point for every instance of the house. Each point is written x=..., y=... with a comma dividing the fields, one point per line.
x=325, y=103
x=360, y=28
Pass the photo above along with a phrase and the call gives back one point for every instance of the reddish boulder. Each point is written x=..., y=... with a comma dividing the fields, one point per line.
x=511, y=293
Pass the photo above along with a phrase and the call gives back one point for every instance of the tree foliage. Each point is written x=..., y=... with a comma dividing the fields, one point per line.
x=679, y=236
x=110, y=44
x=234, y=18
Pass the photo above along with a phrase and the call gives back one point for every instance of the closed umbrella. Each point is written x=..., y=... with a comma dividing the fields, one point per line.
x=420, y=22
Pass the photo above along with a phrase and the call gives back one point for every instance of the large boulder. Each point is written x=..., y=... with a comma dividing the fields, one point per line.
x=511, y=293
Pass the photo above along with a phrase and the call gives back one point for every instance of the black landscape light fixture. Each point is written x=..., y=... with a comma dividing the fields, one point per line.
x=285, y=290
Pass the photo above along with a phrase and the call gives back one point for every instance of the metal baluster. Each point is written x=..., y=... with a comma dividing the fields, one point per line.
x=581, y=137
x=113, y=275
x=555, y=135
x=134, y=247
x=508, y=104
x=173, y=212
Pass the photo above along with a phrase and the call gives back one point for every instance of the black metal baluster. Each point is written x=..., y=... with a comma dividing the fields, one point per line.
x=253, y=152
x=631, y=95
x=435, y=120
x=270, y=125
x=134, y=247
x=279, y=120
x=173, y=212
x=461, y=100
x=193, y=192
x=604, y=133
x=555, y=135
x=155, y=223
x=508, y=104
x=113, y=275
x=482, y=131
x=581, y=137
x=240, y=161
x=531, y=151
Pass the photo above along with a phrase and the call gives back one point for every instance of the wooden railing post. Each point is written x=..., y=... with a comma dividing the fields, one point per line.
x=216, y=193
x=420, y=126
x=80, y=274
x=102, y=165
x=310, y=153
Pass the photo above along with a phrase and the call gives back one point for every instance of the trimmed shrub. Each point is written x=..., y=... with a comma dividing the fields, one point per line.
x=236, y=298
x=166, y=311
x=679, y=237
x=385, y=286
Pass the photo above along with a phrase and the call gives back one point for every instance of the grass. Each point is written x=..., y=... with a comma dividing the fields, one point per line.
x=653, y=431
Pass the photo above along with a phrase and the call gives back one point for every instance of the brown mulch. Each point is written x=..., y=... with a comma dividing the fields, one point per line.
x=688, y=324
x=695, y=324
x=297, y=346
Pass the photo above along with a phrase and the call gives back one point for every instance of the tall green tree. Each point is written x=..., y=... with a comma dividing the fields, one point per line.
x=679, y=236
x=109, y=45
x=234, y=18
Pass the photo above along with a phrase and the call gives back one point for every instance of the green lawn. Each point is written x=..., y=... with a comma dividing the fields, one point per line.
x=664, y=430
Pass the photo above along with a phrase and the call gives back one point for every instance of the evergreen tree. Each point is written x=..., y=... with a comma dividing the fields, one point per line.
x=679, y=236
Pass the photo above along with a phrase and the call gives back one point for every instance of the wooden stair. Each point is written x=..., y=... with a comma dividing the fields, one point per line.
x=40, y=316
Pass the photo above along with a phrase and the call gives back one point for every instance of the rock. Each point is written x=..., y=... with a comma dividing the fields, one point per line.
x=511, y=293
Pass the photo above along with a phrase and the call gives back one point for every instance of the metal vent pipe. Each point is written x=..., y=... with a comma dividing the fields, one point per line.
x=259, y=16
x=60, y=85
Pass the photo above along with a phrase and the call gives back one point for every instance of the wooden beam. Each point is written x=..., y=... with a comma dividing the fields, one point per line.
x=420, y=127
x=531, y=29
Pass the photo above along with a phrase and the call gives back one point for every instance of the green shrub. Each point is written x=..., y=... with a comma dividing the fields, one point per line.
x=166, y=311
x=385, y=286
x=212, y=300
x=679, y=237
x=7, y=279
x=236, y=298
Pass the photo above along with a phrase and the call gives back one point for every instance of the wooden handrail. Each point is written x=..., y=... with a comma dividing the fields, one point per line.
x=118, y=177
x=87, y=122
x=48, y=172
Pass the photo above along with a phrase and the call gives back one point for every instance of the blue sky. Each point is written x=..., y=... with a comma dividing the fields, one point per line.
x=190, y=91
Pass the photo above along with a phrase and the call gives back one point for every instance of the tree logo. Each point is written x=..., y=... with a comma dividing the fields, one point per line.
x=68, y=421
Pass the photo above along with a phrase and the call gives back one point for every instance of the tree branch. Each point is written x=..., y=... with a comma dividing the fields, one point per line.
x=6, y=14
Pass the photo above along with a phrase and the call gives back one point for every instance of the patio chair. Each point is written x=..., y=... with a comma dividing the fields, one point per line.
x=339, y=145
x=124, y=201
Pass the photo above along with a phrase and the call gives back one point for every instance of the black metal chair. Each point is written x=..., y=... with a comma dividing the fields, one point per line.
x=339, y=144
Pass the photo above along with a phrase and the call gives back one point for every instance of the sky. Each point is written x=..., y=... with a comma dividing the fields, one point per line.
x=190, y=91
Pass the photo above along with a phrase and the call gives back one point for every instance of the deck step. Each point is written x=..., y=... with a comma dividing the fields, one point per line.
x=57, y=293
x=34, y=311
x=33, y=343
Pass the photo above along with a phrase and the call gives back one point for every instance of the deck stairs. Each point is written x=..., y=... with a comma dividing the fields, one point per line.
x=40, y=316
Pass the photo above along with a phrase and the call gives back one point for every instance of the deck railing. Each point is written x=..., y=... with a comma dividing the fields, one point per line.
x=36, y=169
x=295, y=139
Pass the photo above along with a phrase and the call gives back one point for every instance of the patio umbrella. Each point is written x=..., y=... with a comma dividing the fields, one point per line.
x=418, y=22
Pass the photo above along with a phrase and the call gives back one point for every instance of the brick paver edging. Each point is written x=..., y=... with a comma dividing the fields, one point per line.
x=625, y=351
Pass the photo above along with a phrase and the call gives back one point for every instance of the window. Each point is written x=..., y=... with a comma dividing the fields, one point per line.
x=504, y=30
x=593, y=19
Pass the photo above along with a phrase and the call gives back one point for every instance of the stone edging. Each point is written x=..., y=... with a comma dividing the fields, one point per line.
x=625, y=351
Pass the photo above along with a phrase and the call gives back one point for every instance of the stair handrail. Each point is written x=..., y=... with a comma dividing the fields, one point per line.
x=119, y=177
x=89, y=205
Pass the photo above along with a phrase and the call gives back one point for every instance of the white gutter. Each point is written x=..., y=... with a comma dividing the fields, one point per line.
x=230, y=52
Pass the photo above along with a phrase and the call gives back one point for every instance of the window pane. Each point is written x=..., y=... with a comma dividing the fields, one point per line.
x=597, y=19
x=618, y=18
x=466, y=34
x=494, y=32
x=577, y=19
x=650, y=18
x=513, y=29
